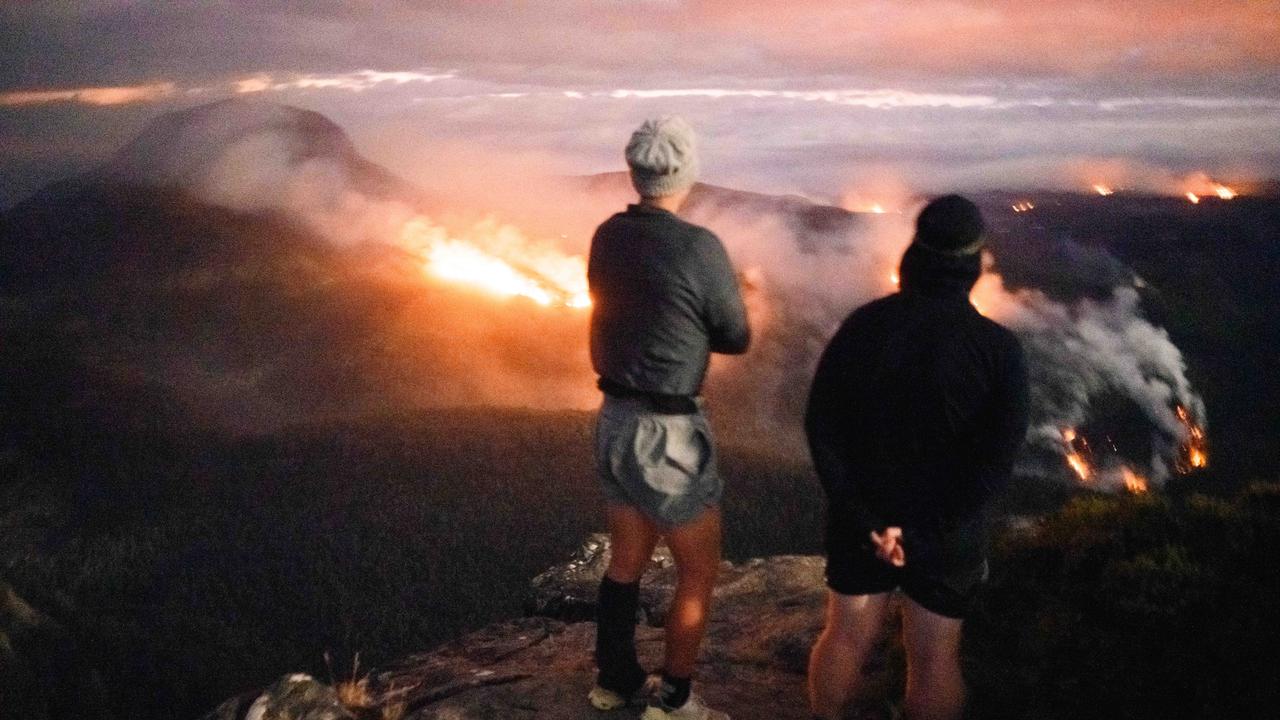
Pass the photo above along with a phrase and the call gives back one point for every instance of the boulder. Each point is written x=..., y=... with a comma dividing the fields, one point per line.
x=292, y=697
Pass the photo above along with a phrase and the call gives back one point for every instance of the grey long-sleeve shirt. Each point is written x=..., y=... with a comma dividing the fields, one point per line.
x=664, y=297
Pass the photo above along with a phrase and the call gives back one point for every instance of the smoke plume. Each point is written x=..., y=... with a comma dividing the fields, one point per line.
x=476, y=298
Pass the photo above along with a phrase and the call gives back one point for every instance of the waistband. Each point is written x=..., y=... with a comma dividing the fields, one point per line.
x=660, y=403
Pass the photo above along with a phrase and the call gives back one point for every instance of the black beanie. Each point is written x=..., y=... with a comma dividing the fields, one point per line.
x=951, y=225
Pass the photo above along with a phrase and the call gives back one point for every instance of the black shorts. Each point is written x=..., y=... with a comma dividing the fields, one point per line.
x=942, y=577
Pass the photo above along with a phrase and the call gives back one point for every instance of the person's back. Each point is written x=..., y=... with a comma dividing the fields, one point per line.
x=910, y=393
x=664, y=296
x=917, y=409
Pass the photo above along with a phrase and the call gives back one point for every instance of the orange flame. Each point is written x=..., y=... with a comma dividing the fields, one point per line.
x=1076, y=446
x=1103, y=190
x=1195, y=450
x=1198, y=186
x=499, y=260
x=1133, y=482
x=1025, y=206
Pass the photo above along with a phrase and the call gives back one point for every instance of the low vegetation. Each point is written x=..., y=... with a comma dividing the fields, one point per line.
x=188, y=570
x=194, y=569
x=1133, y=607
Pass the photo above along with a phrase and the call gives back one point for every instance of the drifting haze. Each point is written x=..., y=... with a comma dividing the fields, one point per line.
x=485, y=276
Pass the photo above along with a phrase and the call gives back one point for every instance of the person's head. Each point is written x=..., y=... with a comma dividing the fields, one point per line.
x=945, y=257
x=663, y=158
x=950, y=225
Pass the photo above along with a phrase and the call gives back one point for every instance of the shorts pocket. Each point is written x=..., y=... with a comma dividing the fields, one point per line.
x=672, y=451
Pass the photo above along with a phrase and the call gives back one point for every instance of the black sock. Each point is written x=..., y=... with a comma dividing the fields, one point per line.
x=675, y=691
x=616, y=609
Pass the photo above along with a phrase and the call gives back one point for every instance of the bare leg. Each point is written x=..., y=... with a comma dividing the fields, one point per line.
x=632, y=537
x=696, y=549
x=854, y=623
x=935, y=687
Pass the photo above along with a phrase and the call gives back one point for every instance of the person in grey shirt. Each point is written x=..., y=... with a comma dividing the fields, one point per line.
x=664, y=296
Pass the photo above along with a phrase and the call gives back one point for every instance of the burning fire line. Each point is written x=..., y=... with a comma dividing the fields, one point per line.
x=1195, y=449
x=1080, y=459
x=1077, y=448
x=1194, y=188
x=1212, y=189
x=499, y=260
x=1079, y=456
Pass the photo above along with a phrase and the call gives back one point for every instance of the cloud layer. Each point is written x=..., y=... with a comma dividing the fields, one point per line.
x=799, y=96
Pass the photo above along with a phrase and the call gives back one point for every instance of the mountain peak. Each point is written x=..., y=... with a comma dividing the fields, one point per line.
x=240, y=152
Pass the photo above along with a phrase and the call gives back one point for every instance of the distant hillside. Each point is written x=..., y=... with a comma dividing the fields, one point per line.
x=240, y=266
x=196, y=279
x=814, y=225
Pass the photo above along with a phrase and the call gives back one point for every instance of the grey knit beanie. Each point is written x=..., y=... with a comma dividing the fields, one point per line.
x=663, y=157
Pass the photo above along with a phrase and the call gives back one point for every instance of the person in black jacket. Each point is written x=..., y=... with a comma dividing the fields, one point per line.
x=918, y=406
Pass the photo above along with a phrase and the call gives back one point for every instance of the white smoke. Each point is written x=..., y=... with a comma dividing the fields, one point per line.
x=804, y=267
x=1082, y=351
x=1079, y=352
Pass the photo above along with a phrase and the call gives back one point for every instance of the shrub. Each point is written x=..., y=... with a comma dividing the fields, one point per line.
x=1133, y=607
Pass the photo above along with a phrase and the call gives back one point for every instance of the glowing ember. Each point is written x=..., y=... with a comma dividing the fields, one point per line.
x=1103, y=190
x=498, y=260
x=1223, y=192
x=1022, y=207
x=1195, y=448
x=1194, y=198
x=865, y=206
x=1198, y=458
x=1133, y=482
x=1077, y=448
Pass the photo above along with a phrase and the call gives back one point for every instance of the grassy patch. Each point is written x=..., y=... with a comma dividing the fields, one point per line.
x=1133, y=607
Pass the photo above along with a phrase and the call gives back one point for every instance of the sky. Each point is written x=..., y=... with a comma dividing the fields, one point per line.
x=826, y=99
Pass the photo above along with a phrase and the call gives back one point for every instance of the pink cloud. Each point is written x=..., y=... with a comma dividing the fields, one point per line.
x=100, y=96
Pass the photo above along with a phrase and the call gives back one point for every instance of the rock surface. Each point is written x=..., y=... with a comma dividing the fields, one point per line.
x=765, y=617
x=292, y=697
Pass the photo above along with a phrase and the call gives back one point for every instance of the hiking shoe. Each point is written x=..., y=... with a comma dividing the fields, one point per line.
x=693, y=709
x=606, y=699
x=603, y=698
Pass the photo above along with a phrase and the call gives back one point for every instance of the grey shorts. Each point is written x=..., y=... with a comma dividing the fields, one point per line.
x=662, y=465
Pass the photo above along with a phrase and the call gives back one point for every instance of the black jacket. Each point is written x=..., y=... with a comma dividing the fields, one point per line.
x=664, y=296
x=919, y=404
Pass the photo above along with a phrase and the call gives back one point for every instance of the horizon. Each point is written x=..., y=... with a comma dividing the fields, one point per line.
x=812, y=100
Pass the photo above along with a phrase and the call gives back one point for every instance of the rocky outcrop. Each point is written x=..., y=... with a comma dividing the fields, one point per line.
x=296, y=697
x=766, y=615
